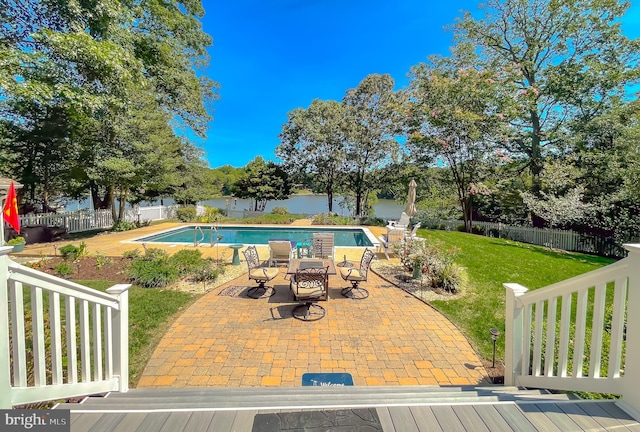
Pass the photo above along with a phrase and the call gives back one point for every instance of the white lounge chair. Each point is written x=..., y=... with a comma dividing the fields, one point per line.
x=403, y=222
x=394, y=236
x=413, y=234
x=280, y=251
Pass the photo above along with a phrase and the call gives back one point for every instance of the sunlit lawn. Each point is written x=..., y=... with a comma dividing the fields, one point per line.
x=490, y=262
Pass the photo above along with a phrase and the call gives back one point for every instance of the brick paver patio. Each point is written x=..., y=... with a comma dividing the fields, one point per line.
x=390, y=338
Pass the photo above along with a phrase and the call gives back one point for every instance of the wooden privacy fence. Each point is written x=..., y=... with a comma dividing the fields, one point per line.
x=553, y=238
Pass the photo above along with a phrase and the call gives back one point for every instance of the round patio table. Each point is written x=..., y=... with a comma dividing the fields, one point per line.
x=236, y=257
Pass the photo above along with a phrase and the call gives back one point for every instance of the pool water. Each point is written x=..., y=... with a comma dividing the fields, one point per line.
x=349, y=237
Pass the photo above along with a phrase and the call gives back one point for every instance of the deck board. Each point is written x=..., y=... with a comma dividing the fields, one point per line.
x=539, y=419
x=84, y=421
x=622, y=416
x=199, y=421
x=504, y=416
x=403, y=419
x=130, y=422
x=176, y=421
x=385, y=419
x=597, y=413
x=425, y=419
x=580, y=416
x=515, y=418
x=447, y=419
x=222, y=421
x=153, y=422
x=470, y=418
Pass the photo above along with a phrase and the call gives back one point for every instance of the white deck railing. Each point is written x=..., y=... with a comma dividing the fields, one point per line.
x=77, y=342
x=576, y=334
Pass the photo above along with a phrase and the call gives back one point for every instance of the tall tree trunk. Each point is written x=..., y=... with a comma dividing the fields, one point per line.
x=330, y=197
x=112, y=199
x=122, y=205
x=467, y=214
x=535, y=164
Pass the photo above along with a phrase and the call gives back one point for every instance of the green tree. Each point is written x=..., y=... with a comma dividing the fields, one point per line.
x=569, y=61
x=262, y=181
x=372, y=114
x=312, y=144
x=457, y=114
x=89, y=61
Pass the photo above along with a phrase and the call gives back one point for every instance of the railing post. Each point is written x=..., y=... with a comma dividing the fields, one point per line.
x=5, y=361
x=121, y=335
x=631, y=389
x=513, y=333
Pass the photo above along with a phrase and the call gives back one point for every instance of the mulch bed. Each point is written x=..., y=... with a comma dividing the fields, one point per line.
x=113, y=269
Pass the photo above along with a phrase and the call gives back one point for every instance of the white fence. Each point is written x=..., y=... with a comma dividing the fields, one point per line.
x=85, y=220
x=554, y=238
x=32, y=359
x=581, y=334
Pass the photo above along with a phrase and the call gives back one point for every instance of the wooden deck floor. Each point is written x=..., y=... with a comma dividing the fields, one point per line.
x=502, y=416
x=401, y=409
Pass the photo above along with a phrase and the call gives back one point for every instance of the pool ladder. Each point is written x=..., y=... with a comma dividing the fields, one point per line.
x=214, y=237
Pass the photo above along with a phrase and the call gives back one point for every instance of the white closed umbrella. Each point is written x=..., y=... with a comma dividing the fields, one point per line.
x=410, y=209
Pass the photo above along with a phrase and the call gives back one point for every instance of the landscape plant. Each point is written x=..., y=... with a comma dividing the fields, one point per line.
x=158, y=269
x=63, y=269
x=186, y=214
x=72, y=252
x=16, y=241
x=436, y=263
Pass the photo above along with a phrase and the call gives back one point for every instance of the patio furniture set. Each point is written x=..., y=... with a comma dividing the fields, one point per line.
x=308, y=266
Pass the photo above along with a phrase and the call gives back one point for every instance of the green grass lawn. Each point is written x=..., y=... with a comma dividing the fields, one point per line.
x=490, y=262
x=151, y=312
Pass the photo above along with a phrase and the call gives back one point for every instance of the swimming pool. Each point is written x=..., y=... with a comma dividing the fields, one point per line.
x=258, y=235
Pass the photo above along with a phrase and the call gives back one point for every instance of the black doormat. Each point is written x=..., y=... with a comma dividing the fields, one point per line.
x=361, y=419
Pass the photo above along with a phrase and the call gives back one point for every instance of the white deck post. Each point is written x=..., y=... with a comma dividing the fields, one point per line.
x=631, y=389
x=5, y=361
x=121, y=335
x=513, y=333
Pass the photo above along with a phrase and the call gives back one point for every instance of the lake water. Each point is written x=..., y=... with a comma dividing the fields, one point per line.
x=311, y=204
x=297, y=204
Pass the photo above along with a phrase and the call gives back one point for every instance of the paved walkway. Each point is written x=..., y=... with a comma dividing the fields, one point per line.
x=390, y=338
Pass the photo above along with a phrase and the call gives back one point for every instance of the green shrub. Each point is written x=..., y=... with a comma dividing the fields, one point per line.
x=212, y=215
x=447, y=276
x=131, y=253
x=373, y=221
x=123, y=226
x=206, y=271
x=271, y=218
x=16, y=241
x=152, y=273
x=333, y=219
x=153, y=254
x=186, y=260
x=63, y=269
x=280, y=210
x=186, y=214
x=69, y=252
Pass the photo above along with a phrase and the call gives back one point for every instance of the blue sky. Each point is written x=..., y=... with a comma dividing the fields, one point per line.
x=273, y=56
